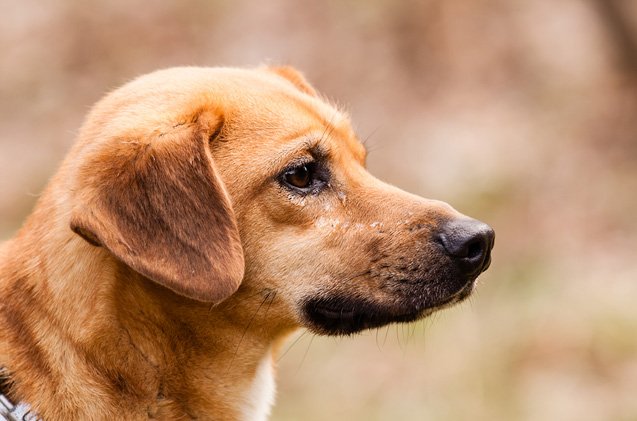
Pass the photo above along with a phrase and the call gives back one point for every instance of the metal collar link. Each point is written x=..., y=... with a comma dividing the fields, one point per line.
x=14, y=412
x=19, y=412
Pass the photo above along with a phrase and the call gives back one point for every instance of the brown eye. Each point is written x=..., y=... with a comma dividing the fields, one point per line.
x=300, y=177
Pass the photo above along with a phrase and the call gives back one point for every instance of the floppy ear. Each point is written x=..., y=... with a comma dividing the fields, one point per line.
x=156, y=202
x=294, y=76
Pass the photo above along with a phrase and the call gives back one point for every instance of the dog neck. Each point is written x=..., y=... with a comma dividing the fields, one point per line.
x=106, y=340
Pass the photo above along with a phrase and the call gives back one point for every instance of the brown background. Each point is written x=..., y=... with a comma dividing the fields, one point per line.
x=521, y=113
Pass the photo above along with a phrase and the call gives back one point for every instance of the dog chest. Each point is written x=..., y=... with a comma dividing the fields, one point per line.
x=259, y=398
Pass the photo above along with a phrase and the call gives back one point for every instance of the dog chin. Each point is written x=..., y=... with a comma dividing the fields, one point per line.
x=339, y=315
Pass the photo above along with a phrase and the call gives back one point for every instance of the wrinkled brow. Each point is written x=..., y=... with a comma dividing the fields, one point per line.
x=314, y=144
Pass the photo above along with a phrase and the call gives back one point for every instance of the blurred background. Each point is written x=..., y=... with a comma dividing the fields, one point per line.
x=520, y=113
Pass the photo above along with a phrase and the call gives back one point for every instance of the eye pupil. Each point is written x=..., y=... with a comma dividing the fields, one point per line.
x=299, y=177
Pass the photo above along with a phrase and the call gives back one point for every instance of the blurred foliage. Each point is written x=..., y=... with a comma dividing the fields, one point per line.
x=518, y=113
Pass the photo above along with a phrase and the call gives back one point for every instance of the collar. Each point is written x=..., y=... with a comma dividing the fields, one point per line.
x=10, y=411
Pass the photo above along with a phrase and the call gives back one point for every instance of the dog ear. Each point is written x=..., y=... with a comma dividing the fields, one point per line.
x=292, y=75
x=156, y=202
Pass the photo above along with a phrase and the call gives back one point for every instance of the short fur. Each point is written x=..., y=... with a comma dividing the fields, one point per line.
x=194, y=260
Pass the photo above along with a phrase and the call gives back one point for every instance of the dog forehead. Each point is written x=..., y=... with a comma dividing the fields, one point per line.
x=265, y=100
x=295, y=128
x=274, y=114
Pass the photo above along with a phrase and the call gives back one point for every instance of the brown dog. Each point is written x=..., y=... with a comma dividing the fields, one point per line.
x=202, y=216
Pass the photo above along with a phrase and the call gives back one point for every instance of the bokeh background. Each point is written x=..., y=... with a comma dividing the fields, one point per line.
x=520, y=113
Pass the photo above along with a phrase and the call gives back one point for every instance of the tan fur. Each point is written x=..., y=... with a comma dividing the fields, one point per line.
x=172, y=187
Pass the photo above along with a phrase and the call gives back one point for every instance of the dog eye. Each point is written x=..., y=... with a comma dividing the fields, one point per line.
x=305, y=178
x=300, y=177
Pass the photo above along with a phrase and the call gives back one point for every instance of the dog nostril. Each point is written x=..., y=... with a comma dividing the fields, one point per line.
x=468, y=242
x=475, y=249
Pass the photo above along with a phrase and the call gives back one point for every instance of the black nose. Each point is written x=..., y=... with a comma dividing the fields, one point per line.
x=468, y=242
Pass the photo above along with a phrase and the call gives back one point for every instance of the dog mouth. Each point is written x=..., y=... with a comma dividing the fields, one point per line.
x=341, y=315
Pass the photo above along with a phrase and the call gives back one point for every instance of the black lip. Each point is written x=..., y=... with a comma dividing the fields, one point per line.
x=341, y=315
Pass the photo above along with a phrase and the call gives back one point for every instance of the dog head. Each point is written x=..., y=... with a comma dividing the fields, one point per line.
x=204, y=180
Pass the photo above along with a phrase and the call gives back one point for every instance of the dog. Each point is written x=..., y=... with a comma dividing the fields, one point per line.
x=202, y=216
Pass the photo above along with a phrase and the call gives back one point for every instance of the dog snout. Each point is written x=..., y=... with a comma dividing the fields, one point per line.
x=468, y=242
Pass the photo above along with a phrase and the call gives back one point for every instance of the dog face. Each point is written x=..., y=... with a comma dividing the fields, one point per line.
x=341, y=250
x=323, y=244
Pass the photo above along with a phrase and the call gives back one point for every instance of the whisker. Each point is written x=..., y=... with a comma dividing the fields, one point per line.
x=377, y=345
x=329, y=127
x=385, y=338
x=233, y=305
x=371, y=147
x=400, y=345
x=245, y=331
x=306, y=351
x=291, y=345
x=273, y=293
